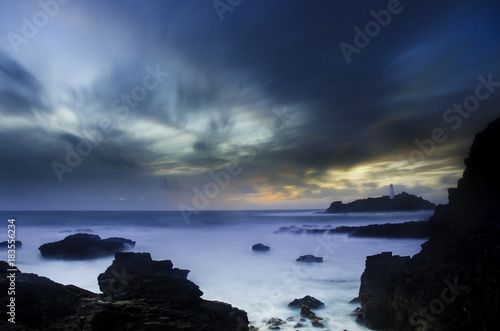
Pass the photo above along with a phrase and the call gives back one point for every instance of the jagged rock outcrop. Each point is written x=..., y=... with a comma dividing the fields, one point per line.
x=454, y=282
x=401, y=202
x=138, y=294
x=85, y=246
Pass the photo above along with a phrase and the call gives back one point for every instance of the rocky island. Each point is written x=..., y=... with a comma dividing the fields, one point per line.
x=454, y=282
x=400, y=202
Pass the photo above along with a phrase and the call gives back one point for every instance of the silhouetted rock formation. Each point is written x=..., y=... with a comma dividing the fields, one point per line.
x=401, y=202
x=139, y=294
x=454, y=282
x=413, y=229
x=85, y=246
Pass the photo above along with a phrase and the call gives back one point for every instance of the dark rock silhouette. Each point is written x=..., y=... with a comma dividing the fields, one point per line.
x=309, y=259
x=260, y=247
x=454, y=282
x=401, y=202
x=308, y=301
x=85, y=246
x=139, y=294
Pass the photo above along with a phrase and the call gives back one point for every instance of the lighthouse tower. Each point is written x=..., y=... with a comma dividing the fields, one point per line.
x=391, y=191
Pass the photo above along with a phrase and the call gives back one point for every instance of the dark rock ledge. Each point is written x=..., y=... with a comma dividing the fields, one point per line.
x=138, y=294
x=406, y=230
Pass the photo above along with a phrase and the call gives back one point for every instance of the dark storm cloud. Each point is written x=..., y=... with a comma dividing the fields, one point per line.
x=20, y=91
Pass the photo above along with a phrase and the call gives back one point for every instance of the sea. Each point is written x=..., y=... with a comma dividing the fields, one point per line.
x=216, y=246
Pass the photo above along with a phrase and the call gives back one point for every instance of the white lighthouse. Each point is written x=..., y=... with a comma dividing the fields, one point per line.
x=391, y=191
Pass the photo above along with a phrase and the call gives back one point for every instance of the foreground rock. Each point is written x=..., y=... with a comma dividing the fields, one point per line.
x=139, y=294
x=376, y=281
x=454, y=282
x=260, y=247
x=308, y=301
x=401, y=202
x=40, y=302
x=309, y=259
x=85, y=246
x=413, y=229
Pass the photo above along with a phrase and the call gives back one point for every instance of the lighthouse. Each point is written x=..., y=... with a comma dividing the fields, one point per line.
x=391, y=191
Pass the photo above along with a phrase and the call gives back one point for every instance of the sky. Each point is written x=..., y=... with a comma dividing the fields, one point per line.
x=239, y=104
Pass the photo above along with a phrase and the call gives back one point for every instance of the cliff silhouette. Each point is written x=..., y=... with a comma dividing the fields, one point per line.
x=454, y=282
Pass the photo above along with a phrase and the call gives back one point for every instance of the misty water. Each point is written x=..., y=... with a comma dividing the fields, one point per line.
x=216, y=247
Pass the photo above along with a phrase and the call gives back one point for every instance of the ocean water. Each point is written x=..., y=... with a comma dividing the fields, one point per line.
x=216, y=247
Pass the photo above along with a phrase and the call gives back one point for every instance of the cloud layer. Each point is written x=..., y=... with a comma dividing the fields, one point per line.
x=128, y=105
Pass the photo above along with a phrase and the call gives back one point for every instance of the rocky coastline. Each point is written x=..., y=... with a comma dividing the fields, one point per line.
x=138, y=294
x=454, y=282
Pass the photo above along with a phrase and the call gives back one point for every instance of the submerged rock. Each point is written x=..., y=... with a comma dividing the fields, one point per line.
x=274, y=323
x=307, y=313
x=260, y=247
x=308, y=301
x=85, y=246
x=309, y=259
